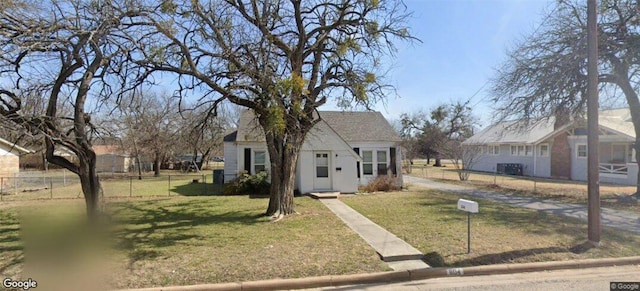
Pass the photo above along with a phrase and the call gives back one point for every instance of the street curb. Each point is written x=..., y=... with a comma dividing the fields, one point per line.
x=400, y=276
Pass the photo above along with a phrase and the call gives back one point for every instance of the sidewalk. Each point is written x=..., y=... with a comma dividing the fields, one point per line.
x=624, y=220
x=394, y=251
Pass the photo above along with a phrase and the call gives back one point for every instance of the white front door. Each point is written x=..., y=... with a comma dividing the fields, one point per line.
x=322, y=173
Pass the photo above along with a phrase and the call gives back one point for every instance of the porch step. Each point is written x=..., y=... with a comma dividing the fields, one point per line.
x=324, y=195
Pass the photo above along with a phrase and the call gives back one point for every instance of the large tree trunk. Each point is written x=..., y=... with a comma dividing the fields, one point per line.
x=283, y=155
x=622, y=80
x=91, y=188
x=636, y=147
x=86, y=171
x=438, y=162
x=156, y=164
x=137, y=153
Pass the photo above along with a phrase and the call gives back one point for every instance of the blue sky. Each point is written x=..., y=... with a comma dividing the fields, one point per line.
x=463, y=41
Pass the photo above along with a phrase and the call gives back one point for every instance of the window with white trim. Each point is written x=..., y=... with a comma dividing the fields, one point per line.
x=581, y=151
x=494, y=150
x=259, y=161
x=322, y=165
x=382, y=162
x=521, y=150
x=543, y=150
x=367, y=162
x=528, y=150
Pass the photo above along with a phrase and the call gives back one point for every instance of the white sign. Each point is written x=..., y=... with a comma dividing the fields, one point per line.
x=468, y=205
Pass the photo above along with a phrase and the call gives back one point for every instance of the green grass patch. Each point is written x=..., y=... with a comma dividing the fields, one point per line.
x=193, y=240
x=429, y=220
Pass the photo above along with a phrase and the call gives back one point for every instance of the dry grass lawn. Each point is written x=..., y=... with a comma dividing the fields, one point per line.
x=565, y=191
x=429, y=220
x=182, y=241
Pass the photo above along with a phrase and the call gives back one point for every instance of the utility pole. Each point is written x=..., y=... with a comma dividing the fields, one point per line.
x=593, y=162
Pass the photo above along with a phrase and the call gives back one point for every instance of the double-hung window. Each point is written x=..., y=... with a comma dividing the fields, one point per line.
x=259, y=161
x=581, y=151
x=367, y=162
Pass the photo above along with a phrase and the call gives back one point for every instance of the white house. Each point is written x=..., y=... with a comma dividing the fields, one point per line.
x=10, y=157
x=553, y=150
x=342, y=151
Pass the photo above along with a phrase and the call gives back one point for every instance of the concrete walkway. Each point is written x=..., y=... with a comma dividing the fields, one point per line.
x=624, y=220
x=391, y=249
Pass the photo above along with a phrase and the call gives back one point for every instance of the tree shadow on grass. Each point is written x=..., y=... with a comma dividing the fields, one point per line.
x=11, y=246
x=505, y=257
x=198, y=189
x=146, y=229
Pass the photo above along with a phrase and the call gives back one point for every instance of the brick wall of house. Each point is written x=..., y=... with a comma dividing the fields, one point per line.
x=561, y=157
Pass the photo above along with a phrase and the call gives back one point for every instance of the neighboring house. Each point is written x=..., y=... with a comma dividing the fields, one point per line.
x=341, y=152
x=550, y=149
x=112, y=159
x=37, y=160
x=10, y=157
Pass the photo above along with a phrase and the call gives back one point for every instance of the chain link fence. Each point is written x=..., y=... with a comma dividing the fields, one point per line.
x=546, y=187
x=62, y=184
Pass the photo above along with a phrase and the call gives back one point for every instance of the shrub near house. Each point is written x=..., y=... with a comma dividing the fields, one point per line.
x=246, y=184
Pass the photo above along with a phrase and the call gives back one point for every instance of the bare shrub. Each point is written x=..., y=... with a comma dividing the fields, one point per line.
x=383, y=184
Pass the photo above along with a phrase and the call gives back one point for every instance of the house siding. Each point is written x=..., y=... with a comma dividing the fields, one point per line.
x=9, y=163
x=111, y=163
x=543, y=167
x=632, y=176
x=378, y=146
x=489, y=163
x=321, y=138
x=342, y=165
x=578, y=165
x=230, y=161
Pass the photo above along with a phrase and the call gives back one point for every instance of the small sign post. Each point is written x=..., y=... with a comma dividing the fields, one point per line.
x=469, y=207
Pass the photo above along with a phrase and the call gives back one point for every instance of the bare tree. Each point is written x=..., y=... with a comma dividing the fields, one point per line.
x=202, y=132
x=463, y=157
x=439, y=132
x=546, y=73
x=60, y=51
x=281, y=59
x=150, y=125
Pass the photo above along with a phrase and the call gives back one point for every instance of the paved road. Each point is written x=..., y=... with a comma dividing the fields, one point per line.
x=613, y=218
x=596, y=279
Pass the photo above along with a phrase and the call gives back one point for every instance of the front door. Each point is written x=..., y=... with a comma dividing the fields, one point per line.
x=322, y=174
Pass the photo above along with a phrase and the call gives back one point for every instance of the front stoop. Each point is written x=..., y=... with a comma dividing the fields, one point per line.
x=324, y=195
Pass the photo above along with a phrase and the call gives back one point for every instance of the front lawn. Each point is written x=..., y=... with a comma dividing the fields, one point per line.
x=190, y=240
x=429, y=220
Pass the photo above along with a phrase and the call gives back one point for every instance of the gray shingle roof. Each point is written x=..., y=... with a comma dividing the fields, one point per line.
x=248, y=128
x=618, y=120
x=351, y=126
x=360, y=126
x=513, y=132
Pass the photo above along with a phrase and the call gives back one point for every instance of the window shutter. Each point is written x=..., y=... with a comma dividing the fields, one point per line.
x=357, y=150
x=247, y=160
x=392, y=163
